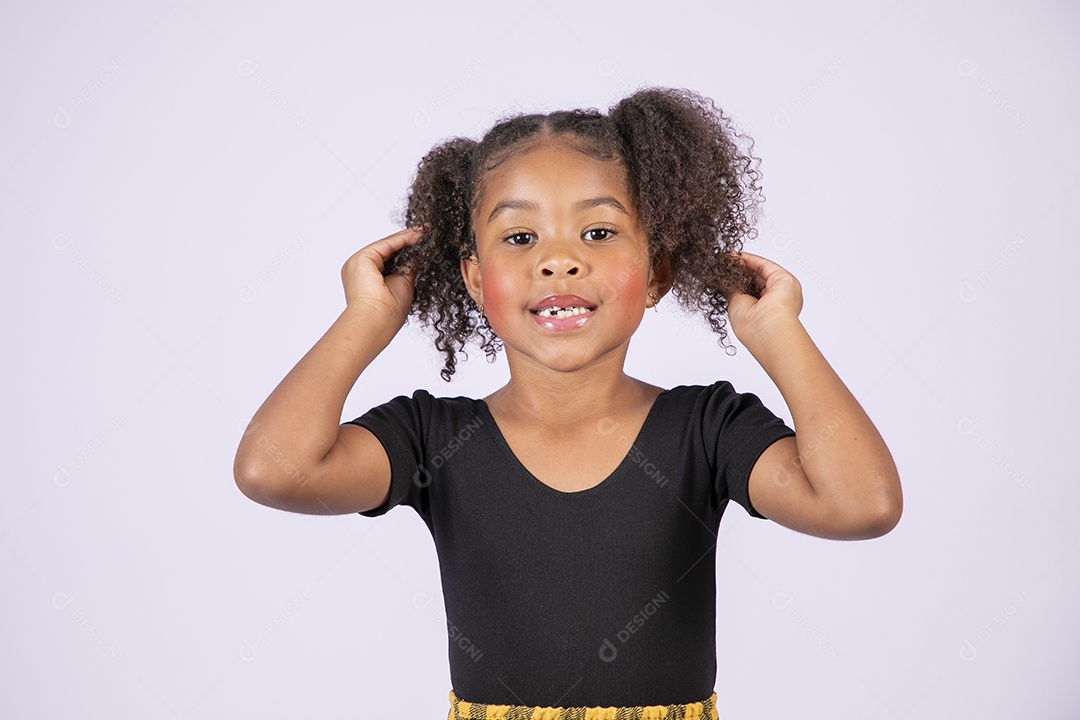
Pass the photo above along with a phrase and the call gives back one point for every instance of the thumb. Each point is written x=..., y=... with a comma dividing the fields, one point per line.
x=402, y=282
x=744, y=280
x=739, y=302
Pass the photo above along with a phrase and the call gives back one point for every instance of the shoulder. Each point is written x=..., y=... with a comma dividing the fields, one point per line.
x=448, y=403
x=686, y=408
x=450, y=412
x=703, y=393
x=682, y=392
x=421, y=396
x=420, y=409
x=720, y=411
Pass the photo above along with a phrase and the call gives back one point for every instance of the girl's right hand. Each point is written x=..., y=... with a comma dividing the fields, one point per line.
x=367, y=289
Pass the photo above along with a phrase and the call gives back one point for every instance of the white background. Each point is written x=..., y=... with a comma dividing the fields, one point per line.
x=181, y=183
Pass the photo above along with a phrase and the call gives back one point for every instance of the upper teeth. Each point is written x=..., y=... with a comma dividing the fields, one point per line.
x=561, y=312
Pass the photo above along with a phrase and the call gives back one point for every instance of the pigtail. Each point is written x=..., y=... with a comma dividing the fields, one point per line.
x=696, y=191
x=439, y=199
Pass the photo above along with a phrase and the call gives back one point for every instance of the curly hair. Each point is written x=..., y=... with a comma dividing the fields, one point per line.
x=694, y=186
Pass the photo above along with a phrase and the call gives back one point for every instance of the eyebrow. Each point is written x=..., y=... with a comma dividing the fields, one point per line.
x=520, y=204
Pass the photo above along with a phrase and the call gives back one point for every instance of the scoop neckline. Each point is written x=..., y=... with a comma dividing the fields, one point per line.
x=505, y=446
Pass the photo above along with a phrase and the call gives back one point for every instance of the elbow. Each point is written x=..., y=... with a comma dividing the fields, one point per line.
x=247, y=485
x=260, y=483
x=886, y=517
x=866, y=518
x=885, y=521
x=251, y=481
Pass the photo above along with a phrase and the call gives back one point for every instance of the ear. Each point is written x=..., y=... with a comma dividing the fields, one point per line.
x=470, y=273
x=662, y=275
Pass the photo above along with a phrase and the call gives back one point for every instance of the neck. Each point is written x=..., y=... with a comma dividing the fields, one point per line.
x=566, y=398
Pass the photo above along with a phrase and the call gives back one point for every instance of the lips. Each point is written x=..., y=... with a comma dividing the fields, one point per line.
x=562, y=301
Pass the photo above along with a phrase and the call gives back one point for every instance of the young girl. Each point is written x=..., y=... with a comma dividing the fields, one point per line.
x=575, y=509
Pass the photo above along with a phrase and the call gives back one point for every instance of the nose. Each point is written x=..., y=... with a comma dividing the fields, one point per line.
x=561, y=258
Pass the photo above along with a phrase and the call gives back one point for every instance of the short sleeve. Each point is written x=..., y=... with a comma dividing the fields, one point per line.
x=401, y=426
x=737, y=428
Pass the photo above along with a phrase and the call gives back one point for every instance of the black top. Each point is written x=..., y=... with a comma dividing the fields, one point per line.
x=605, y=596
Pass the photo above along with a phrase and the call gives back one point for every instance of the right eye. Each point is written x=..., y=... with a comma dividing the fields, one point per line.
x=513, y=238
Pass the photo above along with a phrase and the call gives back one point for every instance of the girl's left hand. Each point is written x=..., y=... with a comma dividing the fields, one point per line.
x=780, y=301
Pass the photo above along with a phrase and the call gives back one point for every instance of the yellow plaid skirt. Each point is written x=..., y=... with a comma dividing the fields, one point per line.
x=461, y=710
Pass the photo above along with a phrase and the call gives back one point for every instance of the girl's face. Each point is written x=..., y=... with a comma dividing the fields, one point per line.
x=553, y=223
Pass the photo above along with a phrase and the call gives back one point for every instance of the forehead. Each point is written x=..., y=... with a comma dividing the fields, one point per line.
x=552, y=172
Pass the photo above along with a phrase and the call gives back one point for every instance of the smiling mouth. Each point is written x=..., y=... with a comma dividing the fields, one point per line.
x=558, y=312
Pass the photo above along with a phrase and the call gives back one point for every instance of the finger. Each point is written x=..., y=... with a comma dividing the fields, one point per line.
x=399, y=239
x=763, y=266
x=754, y=284
x=754, y=261
x=390, y=244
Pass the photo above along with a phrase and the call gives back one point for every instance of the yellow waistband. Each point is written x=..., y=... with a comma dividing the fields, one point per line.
x=462, y=710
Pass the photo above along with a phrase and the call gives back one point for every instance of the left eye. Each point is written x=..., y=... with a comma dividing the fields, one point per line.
x=591, y=234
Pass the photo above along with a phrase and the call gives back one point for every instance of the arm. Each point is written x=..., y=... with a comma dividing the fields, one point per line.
x=836, y=478
x=295, y=455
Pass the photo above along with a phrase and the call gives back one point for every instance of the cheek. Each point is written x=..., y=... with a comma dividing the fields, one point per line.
x=626, y=283
x=503, y=295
